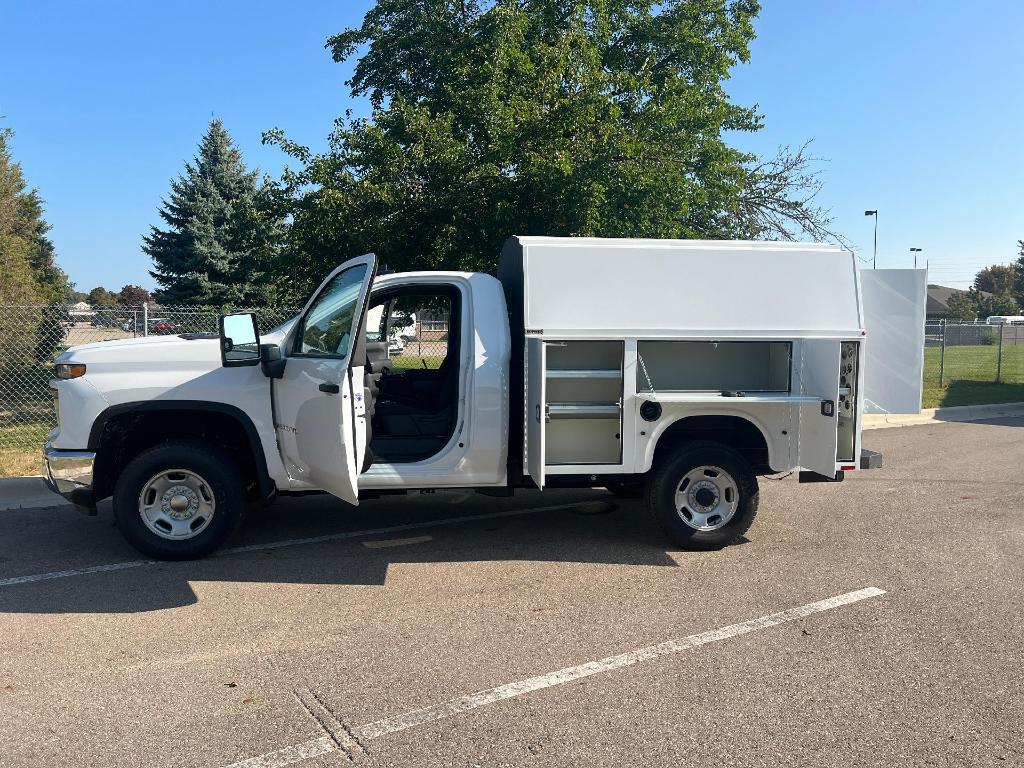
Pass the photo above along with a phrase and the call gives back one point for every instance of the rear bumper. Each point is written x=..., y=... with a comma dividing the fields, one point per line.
x=69, y=473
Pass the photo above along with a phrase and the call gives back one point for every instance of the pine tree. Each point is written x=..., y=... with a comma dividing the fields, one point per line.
x=30, y=274
x=217, y=236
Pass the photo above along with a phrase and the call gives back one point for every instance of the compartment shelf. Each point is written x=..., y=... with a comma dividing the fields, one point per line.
x=584, y=410
x=585, y=373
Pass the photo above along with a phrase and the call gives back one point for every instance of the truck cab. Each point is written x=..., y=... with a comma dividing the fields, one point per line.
x=676, y=370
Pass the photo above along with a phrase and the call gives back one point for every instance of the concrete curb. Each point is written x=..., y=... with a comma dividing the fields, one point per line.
x=27, y=492
x=933, y=415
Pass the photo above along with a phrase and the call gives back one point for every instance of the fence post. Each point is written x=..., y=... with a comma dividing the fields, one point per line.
x=999, y=356
x=145, y=319
x=942, y=356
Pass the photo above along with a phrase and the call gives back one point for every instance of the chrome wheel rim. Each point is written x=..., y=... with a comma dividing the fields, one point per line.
x=176, y=504
x=707, y=498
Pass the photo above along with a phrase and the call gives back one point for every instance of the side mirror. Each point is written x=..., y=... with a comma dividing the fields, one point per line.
x=239, y=340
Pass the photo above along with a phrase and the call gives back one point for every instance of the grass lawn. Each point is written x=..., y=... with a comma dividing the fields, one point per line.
x=969, y=376
x=21, y=446
x=406, y=362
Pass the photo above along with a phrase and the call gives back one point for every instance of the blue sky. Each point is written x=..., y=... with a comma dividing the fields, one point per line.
x=915, y=105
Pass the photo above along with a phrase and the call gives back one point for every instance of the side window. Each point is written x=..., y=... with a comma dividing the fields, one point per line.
x=328, y=326
x=418, y=327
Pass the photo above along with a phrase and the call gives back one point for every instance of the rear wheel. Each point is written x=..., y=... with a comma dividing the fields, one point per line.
x=704, y=496
x=179, y=500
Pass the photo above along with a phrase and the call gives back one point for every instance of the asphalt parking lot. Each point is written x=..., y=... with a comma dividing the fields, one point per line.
x=549, y=629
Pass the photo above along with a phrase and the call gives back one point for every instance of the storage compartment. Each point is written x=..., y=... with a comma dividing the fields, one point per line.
x=583, y=402
x=714, y=366
x=847, y=407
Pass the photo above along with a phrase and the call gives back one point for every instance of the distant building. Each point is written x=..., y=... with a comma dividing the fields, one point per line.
x=938, y=301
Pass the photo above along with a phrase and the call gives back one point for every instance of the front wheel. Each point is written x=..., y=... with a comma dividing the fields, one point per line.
x=179, y=500
x=704, y=496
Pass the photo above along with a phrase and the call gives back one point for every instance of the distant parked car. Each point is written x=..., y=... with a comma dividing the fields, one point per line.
x=1005, y=320
x=161, y=327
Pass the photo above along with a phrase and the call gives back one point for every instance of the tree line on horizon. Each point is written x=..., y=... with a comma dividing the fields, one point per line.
x=997, y=290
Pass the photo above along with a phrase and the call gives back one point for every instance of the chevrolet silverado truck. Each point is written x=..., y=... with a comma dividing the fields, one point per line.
x=676, y=371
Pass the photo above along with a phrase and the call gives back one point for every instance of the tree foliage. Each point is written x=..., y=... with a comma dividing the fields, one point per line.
x=218, y=236
x=100, y=298
x=996, y=279
x=134, y=296
x=27, y=258
x=963, y=305
x=555, y=117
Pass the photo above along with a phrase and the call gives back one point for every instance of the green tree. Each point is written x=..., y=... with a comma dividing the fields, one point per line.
x=1018, y=280
x=218, y=236
x=27, y=260
x=998, y=278
x=100, y=298
x=134, y=296
x=500, y=117
x=963, y=305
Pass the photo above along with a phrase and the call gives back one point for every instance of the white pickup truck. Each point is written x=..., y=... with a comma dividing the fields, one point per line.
x=676, y=370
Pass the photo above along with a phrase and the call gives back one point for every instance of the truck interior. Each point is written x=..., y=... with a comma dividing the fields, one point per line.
x=413, y=346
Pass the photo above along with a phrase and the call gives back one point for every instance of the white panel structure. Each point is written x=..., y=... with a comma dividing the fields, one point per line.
x=536, y=409
x=819, y=378
x=688, y=288
x=894, y=315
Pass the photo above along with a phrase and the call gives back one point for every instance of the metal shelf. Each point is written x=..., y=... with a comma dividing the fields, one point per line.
x=584, y=410
x=585, y=373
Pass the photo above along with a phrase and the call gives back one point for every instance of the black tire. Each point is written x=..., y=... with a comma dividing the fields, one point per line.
x=222, y=482
x=626, y=489
x=667, y=477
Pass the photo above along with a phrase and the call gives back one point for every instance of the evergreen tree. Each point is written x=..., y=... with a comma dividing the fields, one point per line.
x=218, y=236
x=30, y=273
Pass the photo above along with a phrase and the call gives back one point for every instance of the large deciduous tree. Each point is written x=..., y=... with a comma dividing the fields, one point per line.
x=218, y=237
x=557, y=117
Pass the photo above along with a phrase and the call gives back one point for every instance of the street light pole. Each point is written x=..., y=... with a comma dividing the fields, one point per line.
x=874, y=260
x=915, y=251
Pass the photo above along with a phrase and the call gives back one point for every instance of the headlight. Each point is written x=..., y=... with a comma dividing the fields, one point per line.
x=69, y=370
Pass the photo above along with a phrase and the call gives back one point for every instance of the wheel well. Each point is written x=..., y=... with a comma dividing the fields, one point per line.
x=734, y=431
x=127, y=433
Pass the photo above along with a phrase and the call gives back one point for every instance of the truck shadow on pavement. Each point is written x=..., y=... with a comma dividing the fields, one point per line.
x=587, y=527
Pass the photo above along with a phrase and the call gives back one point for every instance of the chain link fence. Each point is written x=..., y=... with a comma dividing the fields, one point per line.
x=966, y=351
x=31, y=336
x=417, y=336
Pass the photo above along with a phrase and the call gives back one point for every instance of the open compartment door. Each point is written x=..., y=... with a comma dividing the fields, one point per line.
x=894, y=316
x=818, y=433
x=536, y=408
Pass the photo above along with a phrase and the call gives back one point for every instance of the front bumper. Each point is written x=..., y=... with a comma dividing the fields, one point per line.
x=69, y=473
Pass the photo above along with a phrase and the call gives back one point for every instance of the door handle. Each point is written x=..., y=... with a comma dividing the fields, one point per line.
x=331, y=389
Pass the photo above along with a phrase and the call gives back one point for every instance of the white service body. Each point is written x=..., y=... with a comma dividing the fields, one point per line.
x=556, y=360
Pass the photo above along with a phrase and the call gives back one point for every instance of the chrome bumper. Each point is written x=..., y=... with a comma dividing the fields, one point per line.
x=69, y=473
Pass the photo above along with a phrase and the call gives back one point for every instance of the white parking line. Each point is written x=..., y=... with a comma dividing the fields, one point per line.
x=34, y=577
x=323, y=745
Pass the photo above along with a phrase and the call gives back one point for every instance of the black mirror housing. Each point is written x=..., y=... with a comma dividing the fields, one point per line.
x=272, y=361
